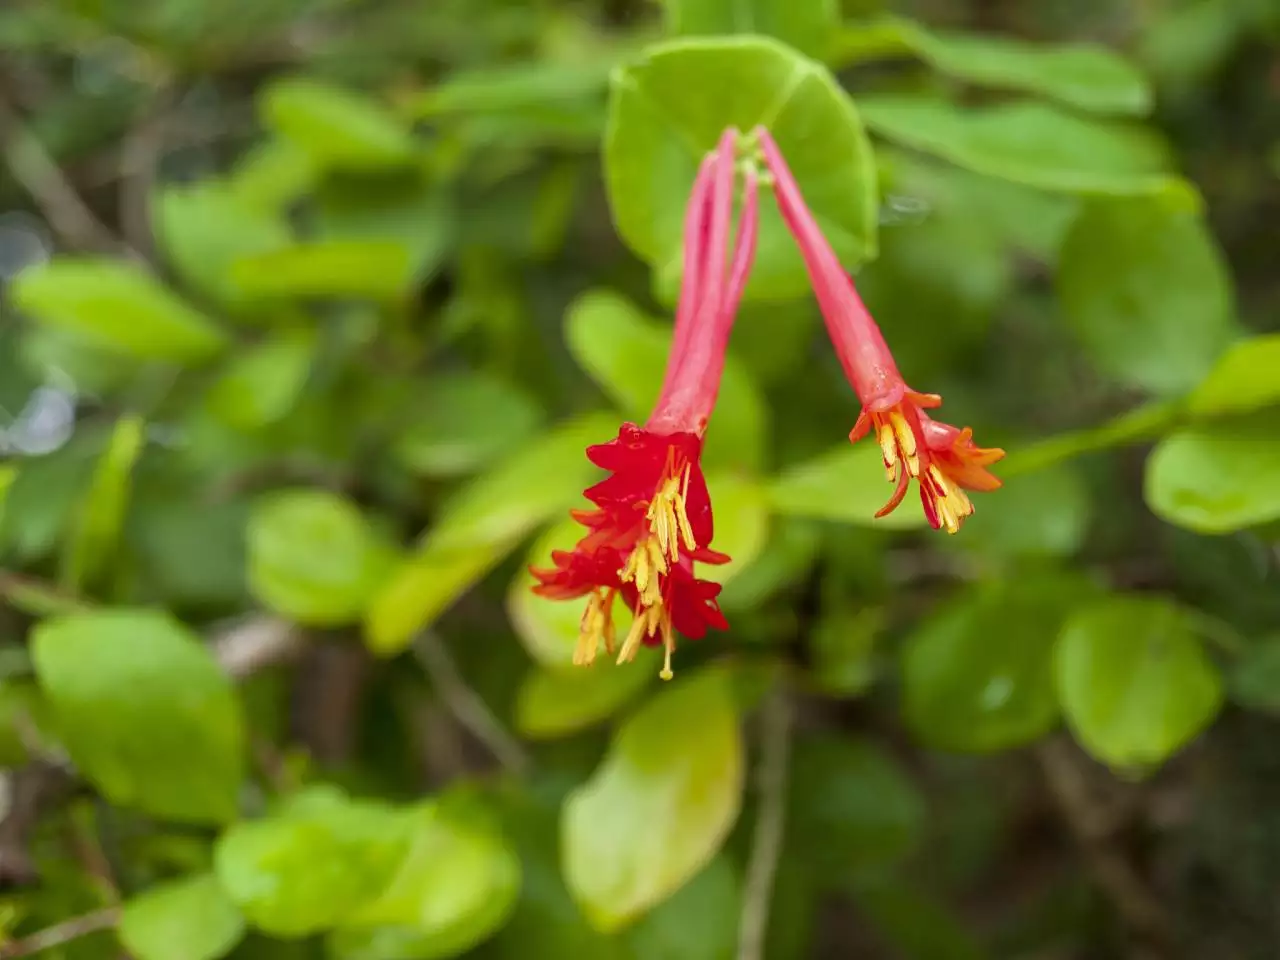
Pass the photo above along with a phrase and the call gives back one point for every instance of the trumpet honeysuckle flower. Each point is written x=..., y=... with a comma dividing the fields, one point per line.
x=944, y=460
x=651, y=519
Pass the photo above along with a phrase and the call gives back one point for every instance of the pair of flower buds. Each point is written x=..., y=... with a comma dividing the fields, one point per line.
x=652, y=518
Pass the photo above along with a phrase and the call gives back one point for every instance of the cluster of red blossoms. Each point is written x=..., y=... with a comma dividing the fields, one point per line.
x=652, y=518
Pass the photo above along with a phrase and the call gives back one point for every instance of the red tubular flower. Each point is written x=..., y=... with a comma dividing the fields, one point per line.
x=944, y=460
x=652, y=515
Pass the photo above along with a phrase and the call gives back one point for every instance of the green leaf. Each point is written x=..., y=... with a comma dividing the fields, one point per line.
x=339, y=128
x=556, y=703
x=202, y=229
x=1219, y=478
x=548, y=629
x=978, y=675
x=457, y=884
x=480, y=525
x=1031, y=143
x=1255, y=678
x=542, y=101
x=144, y=711
x=807, y=25
x=464, y=421
x=261, y=385
x=272, y=175
x=117, y=305
x=698, y=922
x=1242, y=380
x=846, y=485
x=852, y=807
x=843, y=644
x=188, y=919
x=1045, y=513
x=1147, y=293
x=312, y=865
x=41, y=499
x=669, y=109
x=376, y=269
x=741, y=523
x=412, y=211
x=1134, y=681
x=626, y=354
x=1082, y=75
x=314, y=558
x=660, y=805
x=95, y=536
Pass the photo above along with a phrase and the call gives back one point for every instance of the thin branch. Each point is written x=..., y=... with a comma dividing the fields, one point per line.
x=38, y=173
x=766, y=844
x=250, y=645
x=61, y=933
x=140, y=153
x=466, y=705
x=1094, y=830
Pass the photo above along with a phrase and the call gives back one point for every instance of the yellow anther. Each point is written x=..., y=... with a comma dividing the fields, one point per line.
x=906, y=438
x=950, y=501
x=646, y=624
x=595, y=628
x=644, y=565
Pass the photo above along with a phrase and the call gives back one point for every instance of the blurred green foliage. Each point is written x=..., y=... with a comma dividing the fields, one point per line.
x=309, y=310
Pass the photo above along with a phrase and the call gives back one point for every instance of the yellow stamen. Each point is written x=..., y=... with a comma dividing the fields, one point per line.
x=643, y=567
x=906, y=438
x=595, y=628
x=649, y=621
x=950, y=501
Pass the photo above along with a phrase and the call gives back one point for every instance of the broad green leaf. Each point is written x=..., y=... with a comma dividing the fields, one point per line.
x=1217, y=478
x=41, y=498
x=203, y=228
x=376, y=269
x=660, y=805
x=8, y=474
x=412, y=211
x=1147, y=293
x=669, y=109
x=846, y=485
x=741, y=508
x=1045, y=513
x=807, y=25
x=698, y=922
x=117, y=305
x=456, y=885
x=627, y=354
x=460, y=422
x=95, y=535
x=537, y=481
x=1243, y=379
x=191, y=557
x=543, y=101
x=260, y=385
x=1134, y=681
x=843, y=646
x=548, y=629
x=481, y=524
x=314, y=558
x=1031, y=143
x=272, y=175
x=1255, y=678
x=852, y=808
x=339, y=128
x=144, y=711
x=188, y=919
x=314, y=864
x=1082, y=75
x=978, y=674
x=915, y=924
x=556, y=703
